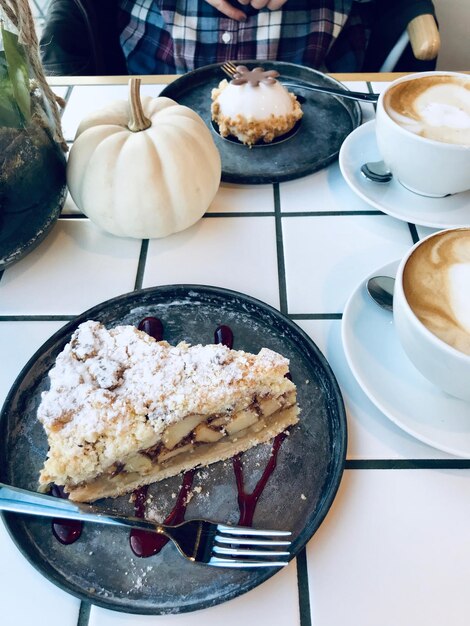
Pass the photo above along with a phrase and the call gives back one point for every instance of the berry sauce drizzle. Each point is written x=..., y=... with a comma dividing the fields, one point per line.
x=247, y=501
x=66, y=531
x=145, y=543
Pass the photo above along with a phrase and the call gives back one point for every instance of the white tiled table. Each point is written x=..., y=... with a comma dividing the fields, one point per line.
x=394, y=548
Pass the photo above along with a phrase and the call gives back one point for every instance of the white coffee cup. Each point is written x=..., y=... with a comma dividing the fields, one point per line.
x=425, y=166
x=428, y=295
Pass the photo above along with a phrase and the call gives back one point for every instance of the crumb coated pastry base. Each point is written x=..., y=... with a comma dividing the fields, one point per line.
x=201, y=456
x=255, y=127
x=124, y=410
x=251, y=132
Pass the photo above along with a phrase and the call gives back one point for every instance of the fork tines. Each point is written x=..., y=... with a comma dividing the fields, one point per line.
x=229, y=68
x=249, y=547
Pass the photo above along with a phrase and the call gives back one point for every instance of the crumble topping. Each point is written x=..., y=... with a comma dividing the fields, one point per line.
x=124, y=367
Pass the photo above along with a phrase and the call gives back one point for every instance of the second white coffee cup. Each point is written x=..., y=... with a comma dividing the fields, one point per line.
x=435, y=270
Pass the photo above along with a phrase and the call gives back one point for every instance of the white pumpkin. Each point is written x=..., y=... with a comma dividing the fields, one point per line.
x=144, y=168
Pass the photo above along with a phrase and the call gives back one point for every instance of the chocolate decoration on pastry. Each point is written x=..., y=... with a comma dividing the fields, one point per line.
x=254, y=77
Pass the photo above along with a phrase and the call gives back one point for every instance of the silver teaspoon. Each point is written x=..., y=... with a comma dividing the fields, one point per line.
x=377, y=172
x=380, y=289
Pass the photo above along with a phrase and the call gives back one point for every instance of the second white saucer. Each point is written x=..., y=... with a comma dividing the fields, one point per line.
x=391, y=381
x=392, y=198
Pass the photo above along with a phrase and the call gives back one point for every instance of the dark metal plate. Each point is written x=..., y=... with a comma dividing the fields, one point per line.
x=327, y=121
x=100, y=566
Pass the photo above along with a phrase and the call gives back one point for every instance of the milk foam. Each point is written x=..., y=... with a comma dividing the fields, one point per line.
x=255, y=103
x=435, y=107
x=437, y=114
x=458, y=277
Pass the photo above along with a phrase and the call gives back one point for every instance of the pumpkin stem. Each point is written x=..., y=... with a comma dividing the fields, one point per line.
x=137, y=119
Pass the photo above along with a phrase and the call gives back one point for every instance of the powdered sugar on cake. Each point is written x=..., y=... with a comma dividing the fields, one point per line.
x=102, y=377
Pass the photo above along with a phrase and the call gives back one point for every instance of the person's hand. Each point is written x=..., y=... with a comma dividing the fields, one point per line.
x=227, y=9
x=272, y=5
x=236, y=14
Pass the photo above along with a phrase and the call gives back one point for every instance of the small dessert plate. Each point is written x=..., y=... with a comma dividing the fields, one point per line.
x=327, y=120
x=392, y=198
x=391, y=381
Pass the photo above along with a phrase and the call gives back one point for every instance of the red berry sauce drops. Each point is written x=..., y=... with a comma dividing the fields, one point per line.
x=152, y=326
x=247, y=501
x=145, y=543
x=224, y=335
x=66, y=531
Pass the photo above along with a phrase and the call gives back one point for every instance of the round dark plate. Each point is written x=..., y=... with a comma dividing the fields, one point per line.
x=21, y=232
x=326, y=122
x=100, y=566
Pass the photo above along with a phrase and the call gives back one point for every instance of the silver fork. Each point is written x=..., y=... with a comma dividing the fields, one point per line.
x=230, y=69
x=200, y=541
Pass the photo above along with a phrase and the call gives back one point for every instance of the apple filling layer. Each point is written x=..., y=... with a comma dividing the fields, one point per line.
x=195, y=441
x=124, y=410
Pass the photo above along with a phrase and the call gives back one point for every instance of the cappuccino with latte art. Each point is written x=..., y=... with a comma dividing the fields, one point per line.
x=436, y=107
x=436, y=282
x=431, y=309
x=423, y=132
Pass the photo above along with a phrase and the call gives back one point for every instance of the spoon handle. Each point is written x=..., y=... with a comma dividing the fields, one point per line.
x=353, y=95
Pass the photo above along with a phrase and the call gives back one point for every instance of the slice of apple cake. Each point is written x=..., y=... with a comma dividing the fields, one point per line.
x=124, y=410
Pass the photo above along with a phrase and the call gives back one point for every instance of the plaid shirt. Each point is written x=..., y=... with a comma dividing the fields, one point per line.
x=176, y=36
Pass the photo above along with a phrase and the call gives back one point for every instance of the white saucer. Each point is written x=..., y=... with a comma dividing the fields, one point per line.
x=360, y=147
x=391, y=381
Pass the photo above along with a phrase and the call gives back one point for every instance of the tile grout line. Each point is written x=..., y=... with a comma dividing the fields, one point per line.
x=315, y=316
x=67, y=317
x=244, y=214
x=281, y=269
x=369, y=87
x=303, y=589
x=141, y=264
x=301, y=559
x=240, y=214
x=84, y=613
x=37, y=318
x=332, y=213
x=406, y=464
x=68, y=94
x=413, y=232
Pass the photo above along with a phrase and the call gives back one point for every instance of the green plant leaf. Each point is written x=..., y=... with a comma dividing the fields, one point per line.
x=18, y=72
x=10, y=114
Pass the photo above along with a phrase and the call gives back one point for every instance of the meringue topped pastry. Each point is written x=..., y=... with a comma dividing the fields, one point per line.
x=254, y=106
x=124, y=410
